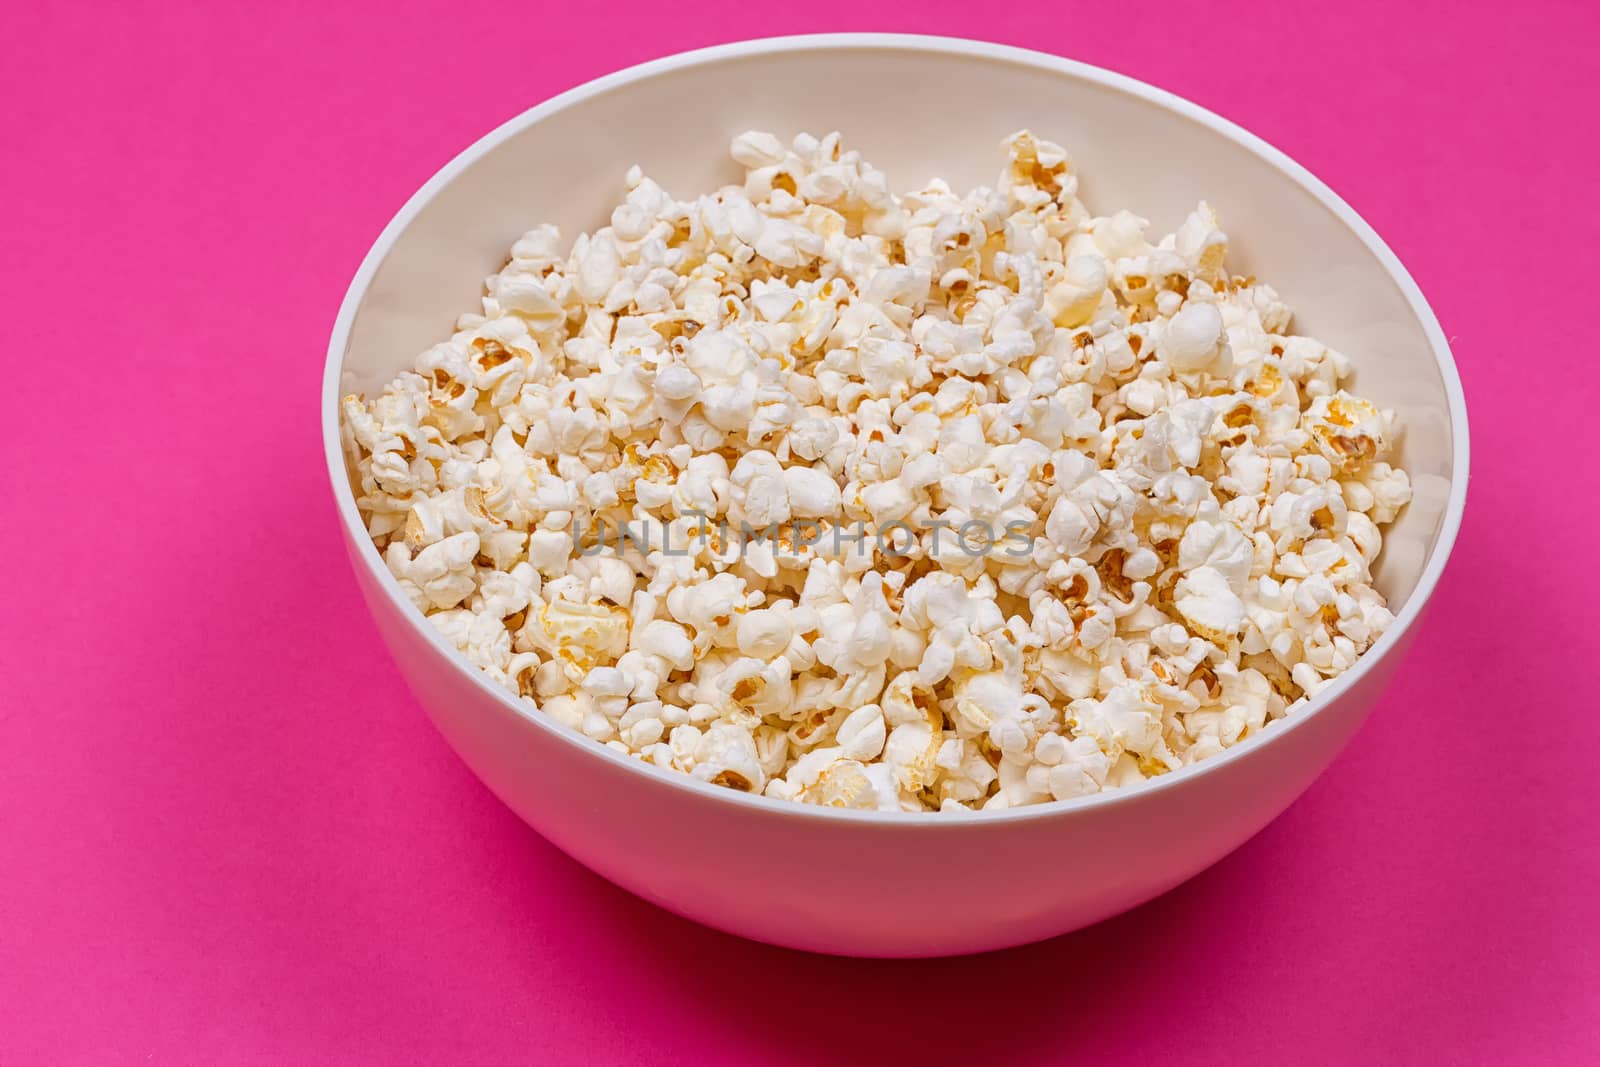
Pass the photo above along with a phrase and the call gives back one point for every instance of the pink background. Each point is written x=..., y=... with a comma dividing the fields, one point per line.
x=227, y=834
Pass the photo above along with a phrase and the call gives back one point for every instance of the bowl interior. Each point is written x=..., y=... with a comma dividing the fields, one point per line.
x=918, y=112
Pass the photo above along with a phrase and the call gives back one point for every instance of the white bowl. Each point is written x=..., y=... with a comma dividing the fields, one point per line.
x=917, y=107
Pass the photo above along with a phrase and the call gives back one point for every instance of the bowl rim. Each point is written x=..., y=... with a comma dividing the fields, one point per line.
x=367, y=554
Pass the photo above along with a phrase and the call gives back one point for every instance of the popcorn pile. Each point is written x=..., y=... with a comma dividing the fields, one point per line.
x=1181, y=503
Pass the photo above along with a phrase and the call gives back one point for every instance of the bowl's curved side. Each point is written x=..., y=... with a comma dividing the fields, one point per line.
x=863, y=888
x=865, y=882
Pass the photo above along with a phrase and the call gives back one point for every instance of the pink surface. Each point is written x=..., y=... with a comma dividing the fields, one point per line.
x=227, y=834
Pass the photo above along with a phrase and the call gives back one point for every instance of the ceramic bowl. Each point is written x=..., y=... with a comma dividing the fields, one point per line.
x=885, y=884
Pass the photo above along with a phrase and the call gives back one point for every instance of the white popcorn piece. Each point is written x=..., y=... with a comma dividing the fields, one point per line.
x=1206, y=601
x=726, y=755
x=863, y=733
x=1080, y=768
x=668, y=642
x=1193, y=338
x=1348, y=430
x=442, y=572
x=932, y=501
x=1219, y=546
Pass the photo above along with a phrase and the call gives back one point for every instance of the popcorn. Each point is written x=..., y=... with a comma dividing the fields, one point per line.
x=862, y=734
x=936, y=501
x=1219, y=546
x=668, y=642
x=1208, y=604
x=1348, y=430
x=441, y=574
x=726, y=755
x=1075, y=768
x=1192, y=340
